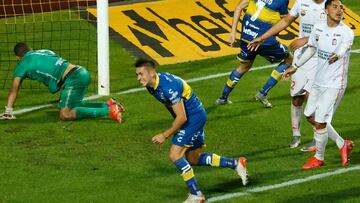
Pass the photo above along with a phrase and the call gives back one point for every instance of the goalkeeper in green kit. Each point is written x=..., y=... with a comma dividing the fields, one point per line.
x=58, y=74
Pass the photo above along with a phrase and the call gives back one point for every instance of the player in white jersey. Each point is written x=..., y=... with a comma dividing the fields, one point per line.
x=332, y=42
x=310, y=13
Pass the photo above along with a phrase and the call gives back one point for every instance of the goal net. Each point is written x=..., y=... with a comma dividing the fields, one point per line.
x=63, y=26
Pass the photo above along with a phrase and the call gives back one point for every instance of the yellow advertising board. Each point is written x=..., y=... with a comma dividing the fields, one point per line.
x=174, y=31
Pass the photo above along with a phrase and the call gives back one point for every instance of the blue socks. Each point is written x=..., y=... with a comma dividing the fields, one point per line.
x=214, y=160
x=231, y=83
x=187, y=173
x=274, y=78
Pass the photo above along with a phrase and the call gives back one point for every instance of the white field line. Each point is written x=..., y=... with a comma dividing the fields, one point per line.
x=132, y=90
x=283, y=184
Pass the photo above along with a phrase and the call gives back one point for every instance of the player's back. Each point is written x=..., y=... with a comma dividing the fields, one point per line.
x=170, y=89
x=260, y=16
x=44, y=66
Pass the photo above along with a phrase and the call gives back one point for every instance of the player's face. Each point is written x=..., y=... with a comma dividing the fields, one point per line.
x=143, y=76
x=335, y=11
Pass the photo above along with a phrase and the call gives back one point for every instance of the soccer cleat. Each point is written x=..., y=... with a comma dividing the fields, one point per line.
x=295, y=142
x=310, y=147
x=345, y=151
x=261, y=98
x=7, y=117
x=195, y=199
x=115, y=113
x=112, y=101
x=242, y=170
x=220, y=101
x=313, y=162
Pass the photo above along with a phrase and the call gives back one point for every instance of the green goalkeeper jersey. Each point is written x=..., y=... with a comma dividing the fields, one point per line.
x=44, y=66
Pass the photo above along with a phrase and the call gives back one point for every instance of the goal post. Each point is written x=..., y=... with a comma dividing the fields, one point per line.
x=103, y=47
x=64, y=26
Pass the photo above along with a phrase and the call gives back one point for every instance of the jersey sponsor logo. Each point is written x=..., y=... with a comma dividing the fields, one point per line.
x=334, y=41
x=149, y=29
x=250, y=32
x=307, y=27
x=324, y=54
x=267, y=1
x=305, y=5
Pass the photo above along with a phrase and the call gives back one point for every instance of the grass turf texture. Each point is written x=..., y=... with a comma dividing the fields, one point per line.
x=45, y=160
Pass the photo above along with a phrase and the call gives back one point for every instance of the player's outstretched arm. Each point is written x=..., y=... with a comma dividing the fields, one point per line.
x=278, y=27
x=180, y=119
x=242, y=5
x=8, y=114
x=298, y=43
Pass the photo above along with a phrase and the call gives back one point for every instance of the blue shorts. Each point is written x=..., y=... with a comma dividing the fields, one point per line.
x=191, y=135
x=273, y=53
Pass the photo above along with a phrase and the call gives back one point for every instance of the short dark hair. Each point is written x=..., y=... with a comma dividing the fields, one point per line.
x=328, y=2
x=144, y=62
x=21, y=48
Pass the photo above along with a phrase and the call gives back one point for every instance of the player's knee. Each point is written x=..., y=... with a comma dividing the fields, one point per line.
x=174, y=156
x=193, y=160
x=297, y=101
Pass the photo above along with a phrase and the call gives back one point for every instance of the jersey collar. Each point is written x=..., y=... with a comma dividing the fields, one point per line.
x=157, y=80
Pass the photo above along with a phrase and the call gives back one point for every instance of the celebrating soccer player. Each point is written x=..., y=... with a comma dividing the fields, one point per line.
x=331, y=41
x=187, y=129
x=259, y=17
x=58, y=74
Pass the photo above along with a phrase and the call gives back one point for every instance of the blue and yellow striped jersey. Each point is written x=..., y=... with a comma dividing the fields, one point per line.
x=170, y=89
x=260, y=16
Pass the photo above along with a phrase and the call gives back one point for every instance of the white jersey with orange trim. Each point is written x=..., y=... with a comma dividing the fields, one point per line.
x=327, y=40
x=310, y=13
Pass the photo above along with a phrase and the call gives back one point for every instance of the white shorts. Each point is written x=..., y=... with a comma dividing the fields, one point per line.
x=303, y=78
x=322, y=103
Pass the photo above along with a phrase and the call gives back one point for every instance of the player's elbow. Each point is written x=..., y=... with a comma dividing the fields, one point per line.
x=181, y=119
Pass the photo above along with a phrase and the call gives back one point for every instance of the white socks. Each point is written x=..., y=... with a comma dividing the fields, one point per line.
x=333, y=135
x=296, y=113
x=321, y=138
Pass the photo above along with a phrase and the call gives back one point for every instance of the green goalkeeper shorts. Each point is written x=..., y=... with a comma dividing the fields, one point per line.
x=74, y=89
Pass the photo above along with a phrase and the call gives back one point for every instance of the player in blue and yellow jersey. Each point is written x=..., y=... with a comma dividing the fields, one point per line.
x=58, y=74
x=259, y=17
x=187, y=129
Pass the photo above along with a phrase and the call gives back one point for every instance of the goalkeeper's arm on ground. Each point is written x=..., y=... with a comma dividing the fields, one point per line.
x=8, y=114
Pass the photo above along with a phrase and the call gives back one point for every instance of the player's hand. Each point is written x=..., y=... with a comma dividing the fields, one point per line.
x=255, y=44
x=333, y=58
x=231, y=40
x=298, y=43
x=286, y=75
x=159, y=138
x=8, y=114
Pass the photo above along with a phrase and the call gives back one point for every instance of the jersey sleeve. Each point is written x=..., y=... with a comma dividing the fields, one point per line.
x=295, y=10
x=284, y=8
x=173, y=92
x=20, y=70
x=349, y=37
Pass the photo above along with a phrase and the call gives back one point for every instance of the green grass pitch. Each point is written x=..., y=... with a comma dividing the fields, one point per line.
x=45, y=160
